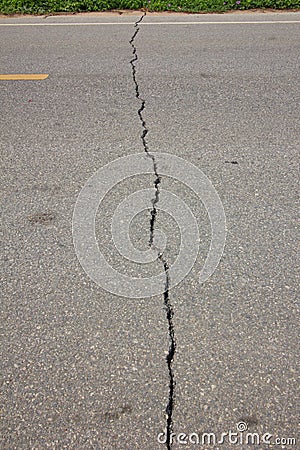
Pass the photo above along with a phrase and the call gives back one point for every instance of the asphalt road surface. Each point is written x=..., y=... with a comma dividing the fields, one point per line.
x=83, y=367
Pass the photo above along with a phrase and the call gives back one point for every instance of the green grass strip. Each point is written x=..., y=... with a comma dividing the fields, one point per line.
x=52, y=6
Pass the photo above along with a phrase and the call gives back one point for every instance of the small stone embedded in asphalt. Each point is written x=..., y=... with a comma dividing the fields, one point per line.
x=44, y=218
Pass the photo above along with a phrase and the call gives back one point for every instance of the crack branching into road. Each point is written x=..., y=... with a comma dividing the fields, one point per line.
x=160, y=257
x=171, y=353
x=145, y=129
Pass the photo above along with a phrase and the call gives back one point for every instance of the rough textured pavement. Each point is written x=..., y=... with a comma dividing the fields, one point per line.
x=83, y=368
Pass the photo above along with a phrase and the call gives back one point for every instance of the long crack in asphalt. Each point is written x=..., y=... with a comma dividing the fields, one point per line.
x=160, y=257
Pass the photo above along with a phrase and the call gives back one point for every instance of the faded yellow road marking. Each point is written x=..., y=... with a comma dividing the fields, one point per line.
x=24, y=76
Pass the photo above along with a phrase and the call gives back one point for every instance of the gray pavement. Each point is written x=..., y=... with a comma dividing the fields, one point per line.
x=83, y=368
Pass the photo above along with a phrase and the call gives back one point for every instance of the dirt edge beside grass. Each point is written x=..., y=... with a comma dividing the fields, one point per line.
x=134, y=12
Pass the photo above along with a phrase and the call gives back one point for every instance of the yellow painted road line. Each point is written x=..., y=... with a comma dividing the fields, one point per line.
x=24, y=76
